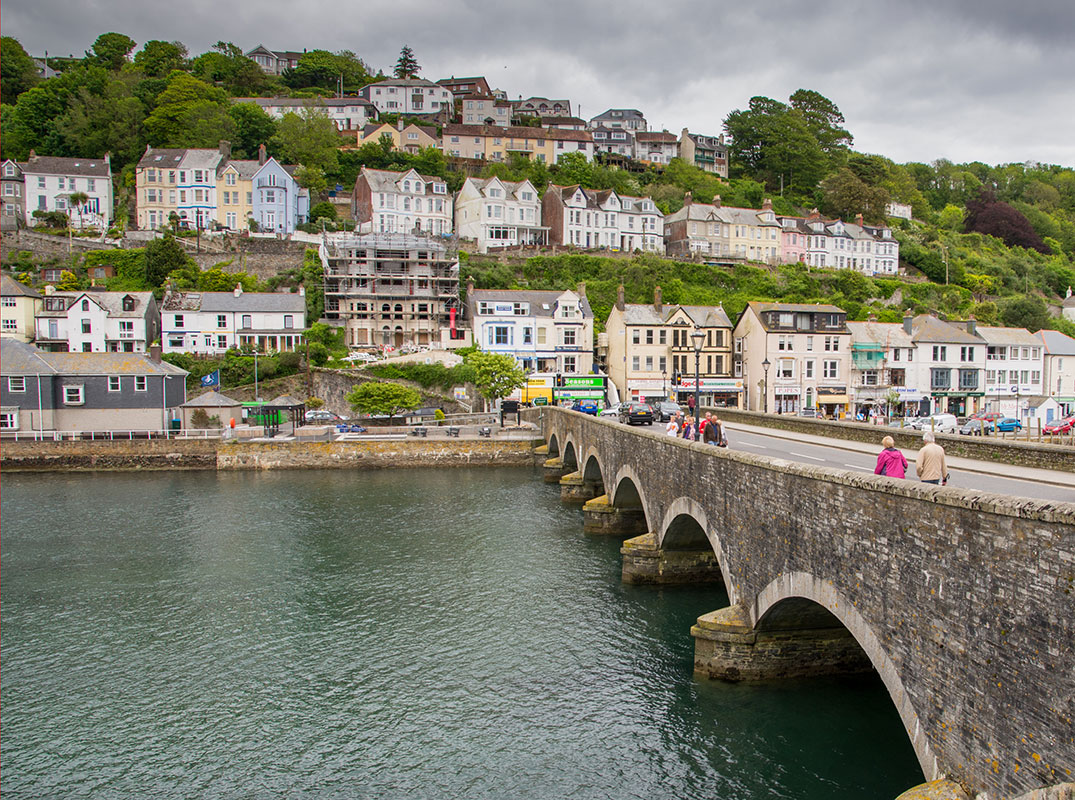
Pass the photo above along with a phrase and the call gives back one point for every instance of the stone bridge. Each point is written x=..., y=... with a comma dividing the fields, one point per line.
x=963, y=602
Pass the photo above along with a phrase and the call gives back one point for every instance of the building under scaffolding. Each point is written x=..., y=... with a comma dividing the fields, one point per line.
x=391, y=290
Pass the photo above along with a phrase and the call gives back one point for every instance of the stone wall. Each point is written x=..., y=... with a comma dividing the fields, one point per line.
x=189, y=454
x=1027, y=454
x=45, y=246
x=963, y=601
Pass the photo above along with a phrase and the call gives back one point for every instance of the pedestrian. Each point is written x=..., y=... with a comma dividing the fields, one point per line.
x=689, y=433
x=711, y=429
x=890, y=461
x=930, y=464
x=672, y=429
x=690, y=403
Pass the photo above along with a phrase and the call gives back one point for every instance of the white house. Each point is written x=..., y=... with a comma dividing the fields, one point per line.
x=212, y=322
x=196, y=186
x=544, y=331
x=97, y=322
x=1014, y=369
x=401, y=202
x=49, y=183
x=496, y=213
x=1059, y=378
x=843, y=245
x=407, y=96
x=348, y=113
x=589, y=219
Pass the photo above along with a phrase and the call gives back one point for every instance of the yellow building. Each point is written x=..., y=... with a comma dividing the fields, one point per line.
x=18, y=307
x=497, y=143
x=408, y=138
x=235, y=194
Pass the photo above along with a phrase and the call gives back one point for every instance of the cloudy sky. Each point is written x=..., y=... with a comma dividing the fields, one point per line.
x=917, y=80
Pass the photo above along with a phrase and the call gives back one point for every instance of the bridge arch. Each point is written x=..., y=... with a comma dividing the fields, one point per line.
x=799, y=599
x=570, y=457
x=554, y=446
x=629, y=494
x=592, y=469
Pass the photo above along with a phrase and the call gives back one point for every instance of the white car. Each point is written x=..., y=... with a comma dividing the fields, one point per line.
x=612, y=412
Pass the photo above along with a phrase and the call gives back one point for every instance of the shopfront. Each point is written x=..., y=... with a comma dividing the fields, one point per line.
x=647, y=391
x=712, y=392
x=832, y=401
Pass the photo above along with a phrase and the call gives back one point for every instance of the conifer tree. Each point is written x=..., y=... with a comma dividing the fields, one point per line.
x=407, y=66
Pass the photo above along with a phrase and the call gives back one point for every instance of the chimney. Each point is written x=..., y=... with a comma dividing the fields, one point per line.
x=302, y=291
x=716, y=201
x=33, y=155
x=766, y=204
x=155, y=353
x=972, y=326
x=238, y=290
x=688, y=197
x=858, y=220
x=871, y=318
x=619, y=298
x=262, y=155
x=907, y=320
x=49, y=289
x=657, y=304
x=581, y=289
x=225, y=149
x=814, y=214
x=399, y=124
x=470, y=287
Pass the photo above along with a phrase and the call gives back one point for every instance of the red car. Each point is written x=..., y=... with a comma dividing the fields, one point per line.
x=1060, y=426
x=990, y=416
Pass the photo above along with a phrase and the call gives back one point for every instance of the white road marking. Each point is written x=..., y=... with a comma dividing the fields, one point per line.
x=856, y=466
x=803, y=455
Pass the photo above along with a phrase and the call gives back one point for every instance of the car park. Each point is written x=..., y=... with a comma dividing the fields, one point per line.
x=1008, y=425
x=1065, y=425
x=976, y=427
x=320, y=415
x=636, y=414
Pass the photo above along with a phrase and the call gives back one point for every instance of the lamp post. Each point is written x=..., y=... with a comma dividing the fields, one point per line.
x=765, y=390
x=257, y=398
x=697, y=339
x=664, y=384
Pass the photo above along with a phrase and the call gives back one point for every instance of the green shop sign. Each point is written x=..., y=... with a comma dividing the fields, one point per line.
x=594, y=382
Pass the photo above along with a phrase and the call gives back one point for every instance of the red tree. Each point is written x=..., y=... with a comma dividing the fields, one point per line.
x=986, y=214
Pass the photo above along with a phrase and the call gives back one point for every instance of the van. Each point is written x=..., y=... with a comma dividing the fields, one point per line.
x=939, y=423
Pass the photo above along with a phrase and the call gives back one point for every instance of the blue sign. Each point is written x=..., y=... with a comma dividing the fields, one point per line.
x=212, y=379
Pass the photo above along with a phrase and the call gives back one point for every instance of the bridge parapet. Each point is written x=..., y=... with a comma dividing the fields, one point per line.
x=963, y=601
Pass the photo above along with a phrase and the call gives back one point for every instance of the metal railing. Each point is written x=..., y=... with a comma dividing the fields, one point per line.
x=108, y=436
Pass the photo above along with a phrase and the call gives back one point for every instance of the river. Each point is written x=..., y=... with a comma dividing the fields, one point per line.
x=402, y=633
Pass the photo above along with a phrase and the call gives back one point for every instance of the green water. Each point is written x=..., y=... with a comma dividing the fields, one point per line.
x=411, y=634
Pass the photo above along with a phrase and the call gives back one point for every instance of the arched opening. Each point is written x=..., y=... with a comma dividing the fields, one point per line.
x=570, y=459
x=554, y=446
x=685, y=533
x=627, y=496
x=592, y=471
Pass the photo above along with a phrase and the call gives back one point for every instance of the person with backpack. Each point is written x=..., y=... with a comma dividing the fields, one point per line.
x=890, y=461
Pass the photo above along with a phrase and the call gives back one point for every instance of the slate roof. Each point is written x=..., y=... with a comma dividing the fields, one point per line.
x=928, y=328
x=518, y=132
x=112, y=302
x=890, y=334
x=50, y=165
x=656, y=136
x=264, y=302
x=9, y=287
x=702, y=316
x=302, y=102
x=18, y=358
x=161, y=157
x=384, y=181
x=542, y=303
x=1056, y=343
x=245, y=169
x=1009, y=336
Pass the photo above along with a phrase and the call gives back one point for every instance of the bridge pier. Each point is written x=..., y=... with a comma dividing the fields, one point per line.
x=646, y=563
x=727, y=647
x=599, y=516
x=554, y=470
x=574, y=488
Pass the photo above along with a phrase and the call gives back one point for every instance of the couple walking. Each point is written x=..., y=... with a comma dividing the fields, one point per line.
x=930, y=464
x=710, y=430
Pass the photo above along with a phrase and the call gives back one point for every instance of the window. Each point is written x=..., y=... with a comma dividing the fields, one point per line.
x=86, y=327
x=72, y=395
x=649, y=336
x=9, y=420
x=940, y=379
x=16, y=383
x=830, y=369
x=968, y=379
x=139, y=383
x=832, y=344
x=229, y=179
x=222, y=342
x=247, y=321
x=569, y=337
x=808, y=368
x=528, y=335
x=500, y=334
x=785, y=368
x=636, y=363
x=966, y=354
x=289, y=321
x=222, y=320
x=940, y=352
x=126, y=329
x=179, y=320
x=113, y=383
x=636, y=336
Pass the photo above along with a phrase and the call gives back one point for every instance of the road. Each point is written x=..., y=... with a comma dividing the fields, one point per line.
x=966, y=473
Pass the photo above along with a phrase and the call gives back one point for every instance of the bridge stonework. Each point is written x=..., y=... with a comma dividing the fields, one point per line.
x=963, y=602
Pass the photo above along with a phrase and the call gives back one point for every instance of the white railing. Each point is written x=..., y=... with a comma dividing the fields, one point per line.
x=108, y=436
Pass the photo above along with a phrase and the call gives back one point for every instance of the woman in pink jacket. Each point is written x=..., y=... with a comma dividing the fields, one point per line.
x=890, y=461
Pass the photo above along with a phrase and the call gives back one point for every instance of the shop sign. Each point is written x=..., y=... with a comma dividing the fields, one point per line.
x=712, y=384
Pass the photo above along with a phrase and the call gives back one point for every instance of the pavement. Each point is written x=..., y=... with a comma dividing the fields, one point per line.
x=1052, y=477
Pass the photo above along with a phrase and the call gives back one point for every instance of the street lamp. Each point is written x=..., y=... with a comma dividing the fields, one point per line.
x=697, y=340
x=664, y=384
x=765, y=391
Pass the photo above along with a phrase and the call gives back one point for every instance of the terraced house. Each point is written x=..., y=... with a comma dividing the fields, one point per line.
x=591, y=219
x=49, y=183
x=97, y=322
x=495, y=213
x=401, y=202
x=494, y=143
x=213, y=322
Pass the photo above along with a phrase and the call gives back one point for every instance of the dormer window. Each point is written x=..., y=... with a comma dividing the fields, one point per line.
x=128, y=303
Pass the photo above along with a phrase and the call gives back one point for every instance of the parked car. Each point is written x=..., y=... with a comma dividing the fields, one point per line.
x=591, y=407
x=360, y=357
x=1008, y=424
x=938, y=423
x=808, y=412
x=350, y=427
x=666, y=409
x=991, y=416
x=1065, y=425
x=636, y=413
x=613, y=411
x=320, y=415
x=976, y=427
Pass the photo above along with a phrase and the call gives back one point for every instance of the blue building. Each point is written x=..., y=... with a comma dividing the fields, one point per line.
x=279, y=203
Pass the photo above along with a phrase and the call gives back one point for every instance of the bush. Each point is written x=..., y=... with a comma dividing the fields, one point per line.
x=318, y=354
x=289, y=362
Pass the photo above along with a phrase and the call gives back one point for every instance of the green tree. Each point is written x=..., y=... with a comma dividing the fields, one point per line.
x=162, y=256
x=17, y=70
x=573, y=168
x=379, y=397
x=190, y=113
x=324, y=210
x=406, y=65
x=30, y=125
x=69, y=282
x=845, y=195
x=324, y=70
x=1025, y=311
x=110, y=50
x=496, y=375
x=110, y=122
x=309, y=138
x=254, y=127
x=77, y=200
x=157, y=58
x=226, y=65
